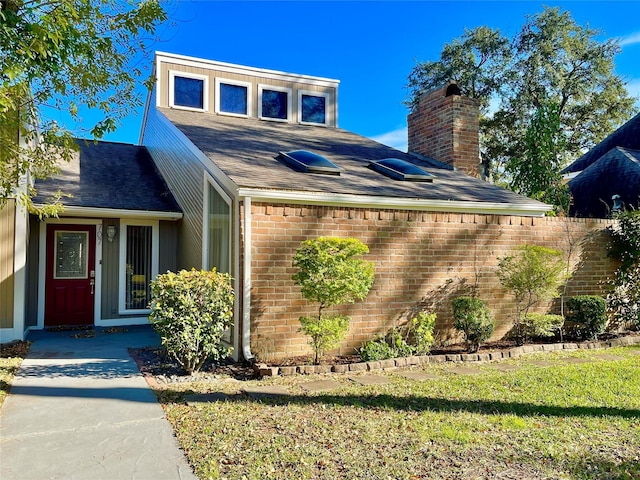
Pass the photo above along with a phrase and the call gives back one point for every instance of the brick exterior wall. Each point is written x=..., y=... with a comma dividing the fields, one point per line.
x=422, y=260
x=446, y=128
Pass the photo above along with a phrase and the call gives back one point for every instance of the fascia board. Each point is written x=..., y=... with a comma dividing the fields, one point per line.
x=361, y=201
x=243, y=70
x=73, y=211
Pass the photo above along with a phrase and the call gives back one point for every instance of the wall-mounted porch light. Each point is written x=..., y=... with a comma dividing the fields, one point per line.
x=111, y=233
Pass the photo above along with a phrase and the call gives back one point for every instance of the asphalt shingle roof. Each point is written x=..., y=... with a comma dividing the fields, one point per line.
x=627, y=136
x=617, y=172
x=110, y=175
x=246, y=150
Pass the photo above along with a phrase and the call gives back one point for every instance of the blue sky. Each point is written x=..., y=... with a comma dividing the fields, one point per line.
x=370, y=46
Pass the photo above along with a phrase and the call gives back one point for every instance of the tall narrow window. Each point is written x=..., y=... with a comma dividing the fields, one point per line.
x=138, y=267
x=219, y=232
x=138, y=264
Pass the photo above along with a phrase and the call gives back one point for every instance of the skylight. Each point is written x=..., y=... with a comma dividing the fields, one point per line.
x=401, y=170
x=309, y=162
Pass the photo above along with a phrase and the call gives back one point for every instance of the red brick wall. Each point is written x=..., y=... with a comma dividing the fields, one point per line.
x=422, y=260
x=446, y=129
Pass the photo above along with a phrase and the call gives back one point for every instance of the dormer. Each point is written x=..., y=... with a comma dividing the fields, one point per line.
x=217, y=88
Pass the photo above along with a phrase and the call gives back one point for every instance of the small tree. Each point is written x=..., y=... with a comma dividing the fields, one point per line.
x=473, y=318
x=191, y=310
x=331, y=272
x=532, y=274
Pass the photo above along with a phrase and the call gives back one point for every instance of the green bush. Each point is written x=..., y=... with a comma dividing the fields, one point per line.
x=421, y=331
x=587, y=315
x=191, y=310
x=535, y=325
x=473, y=318
x=330, y=272
x=325, y=331
x=532, y=274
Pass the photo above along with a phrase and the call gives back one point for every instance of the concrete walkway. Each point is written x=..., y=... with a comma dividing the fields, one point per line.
x=79, y=409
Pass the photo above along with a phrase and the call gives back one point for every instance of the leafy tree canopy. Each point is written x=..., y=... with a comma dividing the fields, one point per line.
x=65, y=56
x=551, y=61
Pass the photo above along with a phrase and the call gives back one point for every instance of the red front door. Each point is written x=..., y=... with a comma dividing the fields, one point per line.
x=70, y=280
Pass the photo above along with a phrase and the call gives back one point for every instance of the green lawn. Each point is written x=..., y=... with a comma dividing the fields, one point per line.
x=569, y=421
x=11, y=356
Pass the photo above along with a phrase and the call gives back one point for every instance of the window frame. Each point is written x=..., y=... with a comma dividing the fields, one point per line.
x=195, y=76
x=311, y=93
x=210, y=182
x=122, y=267
x=289, y=91
x=236, y=83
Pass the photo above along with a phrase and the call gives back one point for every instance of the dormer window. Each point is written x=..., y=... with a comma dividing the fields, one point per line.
x=188, y=91
x=274, y=103
x=233, y=98
x=312, y=107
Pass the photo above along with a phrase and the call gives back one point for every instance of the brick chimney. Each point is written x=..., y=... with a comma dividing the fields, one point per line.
x=445, y=126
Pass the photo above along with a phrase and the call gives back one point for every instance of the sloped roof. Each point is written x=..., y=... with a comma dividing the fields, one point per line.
x=627, y=136
x=617, y=172
x=246, y=150
x=112, y=176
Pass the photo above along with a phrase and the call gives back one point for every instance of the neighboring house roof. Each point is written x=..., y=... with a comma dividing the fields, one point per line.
x=245, y=150
x=617, y=172
x=107, y=175
x=627, y=136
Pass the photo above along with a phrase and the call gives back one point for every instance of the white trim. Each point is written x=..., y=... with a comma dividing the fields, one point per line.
x=122, y=321
x=368, y=201
x=244, y=70
x=327, y=106
x=236, y=280
x=288, y=91
x=122, y=270
x=246, y=278
x=205, y=90
x=21, y=240
x=72, y=211
x=42, y=265
x=235, y=83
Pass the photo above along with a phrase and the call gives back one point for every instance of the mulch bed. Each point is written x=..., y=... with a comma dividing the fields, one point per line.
x=14, y=349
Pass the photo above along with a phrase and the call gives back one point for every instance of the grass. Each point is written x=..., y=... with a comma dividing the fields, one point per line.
x=11, y=356
x=567, y=421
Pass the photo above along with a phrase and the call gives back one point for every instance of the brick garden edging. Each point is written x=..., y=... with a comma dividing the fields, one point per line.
x=263, y=370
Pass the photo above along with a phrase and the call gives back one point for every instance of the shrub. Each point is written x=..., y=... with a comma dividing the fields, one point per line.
x=473, y=318
x=325, y=332
x=421, y=331
x=541, y=325
x=532, y=274
x=331, y=272
x=191, y=310
x=588, y=316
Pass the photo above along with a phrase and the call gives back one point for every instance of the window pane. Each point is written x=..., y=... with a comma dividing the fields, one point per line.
x=71, y=254
x=313, y=109
x=233, y=99
x=274, y=104
x=219, y=232
x=138, y=264
x=188, y=92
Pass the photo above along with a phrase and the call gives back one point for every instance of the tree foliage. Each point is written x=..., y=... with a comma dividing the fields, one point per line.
x=69, y=56
x=551, y=61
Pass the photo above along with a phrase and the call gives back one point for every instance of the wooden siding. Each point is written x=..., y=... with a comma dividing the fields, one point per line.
x=110, y=270
x=254, y=80
x=184, y=175
x=7, y=245
x=33, y=255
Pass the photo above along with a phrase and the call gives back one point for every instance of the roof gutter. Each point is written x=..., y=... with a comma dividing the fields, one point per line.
x=361, y=201
x=72, y=211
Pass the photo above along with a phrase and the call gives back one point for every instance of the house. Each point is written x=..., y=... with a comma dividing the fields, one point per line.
x=93, y=264
x=607, y=177
x=245, y=163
